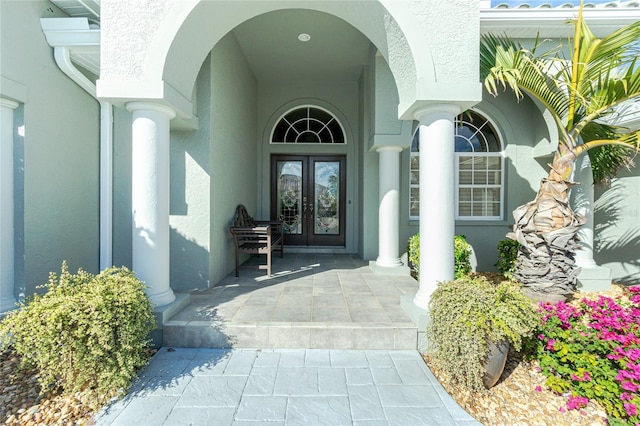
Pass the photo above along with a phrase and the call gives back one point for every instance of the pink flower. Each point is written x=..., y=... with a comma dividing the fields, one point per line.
x=577, y=401
x=550, y=345
x=624, y=396
x=630, y=409
x=562, y=410
x=538, y=388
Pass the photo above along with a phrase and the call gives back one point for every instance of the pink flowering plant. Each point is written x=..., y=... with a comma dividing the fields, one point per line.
x=592, y=352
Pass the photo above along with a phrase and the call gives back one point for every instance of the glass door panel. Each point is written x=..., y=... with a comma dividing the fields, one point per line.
x=308, y=197
x=289, y=196
x=327, y=197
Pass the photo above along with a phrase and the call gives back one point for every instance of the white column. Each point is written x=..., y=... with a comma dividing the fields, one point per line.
x=389, y=207
x=150, y=198
x=582, y=200
x=437, y=192
x=591, y=277
x=7, y=277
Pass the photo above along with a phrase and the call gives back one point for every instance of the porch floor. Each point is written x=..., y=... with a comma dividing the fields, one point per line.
x=324, y=301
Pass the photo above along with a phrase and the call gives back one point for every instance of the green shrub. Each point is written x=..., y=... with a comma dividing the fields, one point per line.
x=87, y=333
x=466, y=316
x=414, y=255
x=507, y=256
x=461, y=252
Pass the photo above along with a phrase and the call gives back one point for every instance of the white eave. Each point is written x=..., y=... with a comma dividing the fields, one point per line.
x=553, y=22
x=82, y=41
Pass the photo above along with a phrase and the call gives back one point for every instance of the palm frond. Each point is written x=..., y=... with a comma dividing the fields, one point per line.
x=607, y=157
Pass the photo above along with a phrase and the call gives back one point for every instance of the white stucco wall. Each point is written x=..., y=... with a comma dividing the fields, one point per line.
x=60, y=149
x=122, y=224
x=233, y=149
x=162, y=57
x=617, y=227
x=190, y=194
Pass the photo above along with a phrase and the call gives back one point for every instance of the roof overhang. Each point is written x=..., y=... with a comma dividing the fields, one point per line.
x=553, y=23
x=82, y=41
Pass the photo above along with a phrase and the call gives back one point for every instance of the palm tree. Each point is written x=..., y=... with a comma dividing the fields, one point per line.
x=583, y=94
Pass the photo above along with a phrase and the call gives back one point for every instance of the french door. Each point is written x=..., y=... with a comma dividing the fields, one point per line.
x=307, y=195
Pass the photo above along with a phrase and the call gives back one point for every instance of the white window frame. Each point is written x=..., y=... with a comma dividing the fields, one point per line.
x=333, y=118
x=458, y=185
x=500, y=154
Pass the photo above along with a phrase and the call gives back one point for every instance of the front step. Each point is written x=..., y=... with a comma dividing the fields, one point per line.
x=288, y=335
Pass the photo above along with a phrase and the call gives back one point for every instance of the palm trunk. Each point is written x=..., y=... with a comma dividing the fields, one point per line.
x=546, y=229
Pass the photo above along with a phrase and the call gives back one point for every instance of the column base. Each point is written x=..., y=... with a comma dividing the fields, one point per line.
x=595, y=278
x=399, y=269
x=162, y=298
x=420, y=318
x=7, y=305
x=164, y=313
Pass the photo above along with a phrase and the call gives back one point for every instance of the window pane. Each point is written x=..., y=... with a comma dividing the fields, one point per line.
x=336, y=131
x=415, y=194
x=308, y=125
x=494, y=163
x=464, y=209
x=480, y=178
x=493, y=194
x=464, y=194
x=327, y=197
x=480, y=163
x=290, y=195
x=465, y=178
x=297, y=114
x=479, y=194
x=414, y=205
x=415, y=162
x=495, y=209
x=315, y=125
x=465, y=162
x=494, y=178
x=414, y=209
x=415, y=178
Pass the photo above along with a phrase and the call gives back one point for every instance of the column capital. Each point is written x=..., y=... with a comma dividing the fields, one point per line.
x=8, y=103
x=422, y=113
x=151, y=106
x=392, y=148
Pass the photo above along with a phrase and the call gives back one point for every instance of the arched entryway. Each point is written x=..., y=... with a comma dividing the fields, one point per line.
x=202, y=48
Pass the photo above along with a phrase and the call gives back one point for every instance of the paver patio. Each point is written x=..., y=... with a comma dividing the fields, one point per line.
x=311, y=301
x=189, y=386
x=324, y=341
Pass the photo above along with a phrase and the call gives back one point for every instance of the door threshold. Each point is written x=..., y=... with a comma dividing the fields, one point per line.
x=317, y=250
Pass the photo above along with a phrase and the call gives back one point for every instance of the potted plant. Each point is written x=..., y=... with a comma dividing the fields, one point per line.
x=473, y=322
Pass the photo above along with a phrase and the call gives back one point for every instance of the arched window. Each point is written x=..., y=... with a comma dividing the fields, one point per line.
x=308, y=124
x=479, y=181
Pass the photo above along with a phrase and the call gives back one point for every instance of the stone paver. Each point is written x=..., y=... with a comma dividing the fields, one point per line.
x=185, y=386
x=311, y=301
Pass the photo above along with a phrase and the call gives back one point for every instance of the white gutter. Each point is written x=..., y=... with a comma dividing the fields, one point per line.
x=59, y=40
x=552, y=22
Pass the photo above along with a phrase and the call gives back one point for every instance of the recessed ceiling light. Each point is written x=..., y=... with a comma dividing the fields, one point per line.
x=304, y=37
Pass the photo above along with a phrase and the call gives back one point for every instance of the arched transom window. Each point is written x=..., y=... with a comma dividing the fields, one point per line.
x=479, y=180
x=308, y=124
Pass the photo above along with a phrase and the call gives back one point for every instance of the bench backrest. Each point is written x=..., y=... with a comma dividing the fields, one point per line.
x=243, y=219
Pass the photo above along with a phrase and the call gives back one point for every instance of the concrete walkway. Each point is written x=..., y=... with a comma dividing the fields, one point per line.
x=188, y=386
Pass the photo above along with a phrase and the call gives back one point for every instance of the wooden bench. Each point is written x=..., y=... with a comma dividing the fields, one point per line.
x=255, y=237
